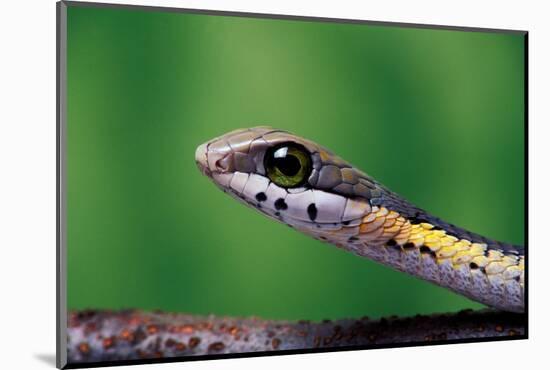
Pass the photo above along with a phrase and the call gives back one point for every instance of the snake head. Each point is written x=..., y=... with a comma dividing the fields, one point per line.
x=289, y=178
x=304, y=185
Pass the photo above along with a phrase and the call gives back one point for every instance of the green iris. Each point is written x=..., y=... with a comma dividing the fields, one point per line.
x=288, y=165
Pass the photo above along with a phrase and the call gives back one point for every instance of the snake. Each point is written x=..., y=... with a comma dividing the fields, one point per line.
x=300, y=183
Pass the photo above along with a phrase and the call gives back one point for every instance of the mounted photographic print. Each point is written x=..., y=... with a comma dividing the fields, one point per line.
x=234, y=184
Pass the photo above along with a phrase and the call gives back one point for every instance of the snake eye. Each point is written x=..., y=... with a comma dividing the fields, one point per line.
x=288, y=165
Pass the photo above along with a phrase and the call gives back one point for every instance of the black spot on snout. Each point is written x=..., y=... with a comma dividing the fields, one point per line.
x=312, y=211
x=261, y=197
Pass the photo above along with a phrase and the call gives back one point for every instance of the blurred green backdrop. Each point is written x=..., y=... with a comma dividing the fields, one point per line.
x=435, y=115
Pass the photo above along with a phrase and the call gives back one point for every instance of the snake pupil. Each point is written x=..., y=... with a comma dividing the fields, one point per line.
x=289, y=165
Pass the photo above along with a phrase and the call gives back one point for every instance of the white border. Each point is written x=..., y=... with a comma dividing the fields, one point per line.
x=27, y=184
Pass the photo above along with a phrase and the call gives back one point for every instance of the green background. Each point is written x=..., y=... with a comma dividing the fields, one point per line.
x=436, y=115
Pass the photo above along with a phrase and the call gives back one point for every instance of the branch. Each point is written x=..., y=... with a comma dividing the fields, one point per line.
x=128, y=335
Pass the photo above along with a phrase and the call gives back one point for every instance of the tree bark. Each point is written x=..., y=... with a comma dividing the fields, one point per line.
x=95, y=336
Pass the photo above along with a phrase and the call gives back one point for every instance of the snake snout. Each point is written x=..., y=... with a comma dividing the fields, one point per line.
x=210, y=161
x=201, y=159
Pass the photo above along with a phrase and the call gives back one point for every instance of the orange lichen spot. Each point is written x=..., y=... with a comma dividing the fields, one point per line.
x=186, y=329
x=152, y=329
x=84, y=348
x=108, y=342
x=127, y=335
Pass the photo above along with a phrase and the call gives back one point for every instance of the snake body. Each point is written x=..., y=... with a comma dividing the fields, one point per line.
x=339, y=204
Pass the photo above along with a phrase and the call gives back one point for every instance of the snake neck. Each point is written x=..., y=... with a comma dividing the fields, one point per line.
x=486, y=271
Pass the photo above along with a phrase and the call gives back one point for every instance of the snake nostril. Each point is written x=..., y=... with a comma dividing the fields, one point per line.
x=225, y=164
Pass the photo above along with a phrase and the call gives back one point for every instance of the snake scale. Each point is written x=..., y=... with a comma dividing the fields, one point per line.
x=300, y=183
